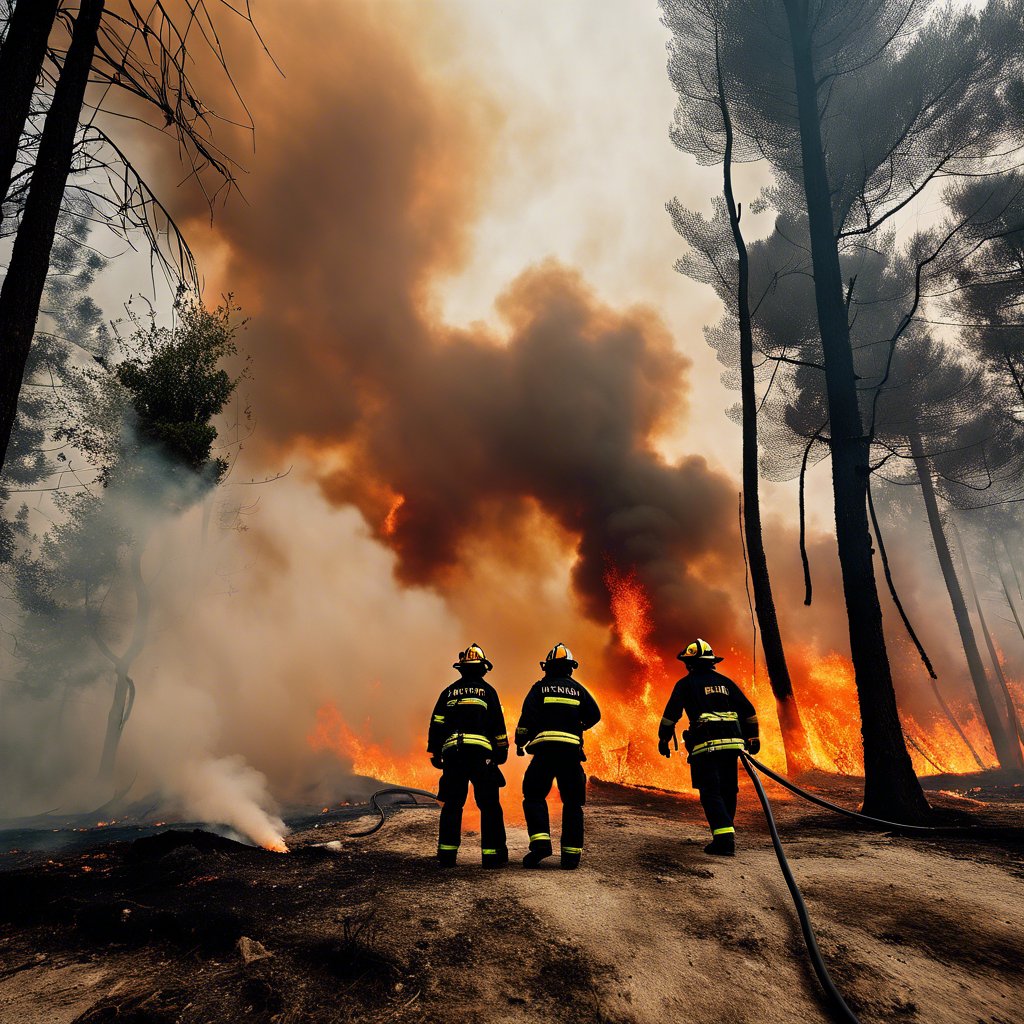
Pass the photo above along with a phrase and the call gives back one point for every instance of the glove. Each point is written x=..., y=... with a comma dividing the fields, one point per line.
x=520, y=752
x=754, y=745
x=663, y=747
x=437, y=761
x=500, y=755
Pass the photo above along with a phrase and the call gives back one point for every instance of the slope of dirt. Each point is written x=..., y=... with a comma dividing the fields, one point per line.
x=649, y=929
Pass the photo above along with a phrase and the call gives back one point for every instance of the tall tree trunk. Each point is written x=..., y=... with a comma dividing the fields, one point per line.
x=21, y=63
x=891, y=789
x=1007, y=750
x=946, y=710
x=794, y=736
x=23, y=285
x=1013, y=724
x=117, y=717
x=1010, y=600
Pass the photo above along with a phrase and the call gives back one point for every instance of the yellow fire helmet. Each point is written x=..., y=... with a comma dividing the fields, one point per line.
x=473, y=657
x=559, y=653
x=699, y=650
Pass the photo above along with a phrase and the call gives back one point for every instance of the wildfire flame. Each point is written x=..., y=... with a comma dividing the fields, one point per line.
x=378, y=761
x=390, y=523
x=623, y=746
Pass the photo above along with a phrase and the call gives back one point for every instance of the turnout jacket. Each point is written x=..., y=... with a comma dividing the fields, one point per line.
x=720, y=716
x=468, y=715
x=556, y=713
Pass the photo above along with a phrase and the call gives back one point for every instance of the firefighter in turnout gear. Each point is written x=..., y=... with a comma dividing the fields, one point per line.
x=722, y=722
x=556, y=713
x=467, y=741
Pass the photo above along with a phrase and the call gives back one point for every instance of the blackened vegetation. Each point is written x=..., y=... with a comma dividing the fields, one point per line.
x=352, y=936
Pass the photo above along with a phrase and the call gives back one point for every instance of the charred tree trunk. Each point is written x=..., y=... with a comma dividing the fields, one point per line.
x=26, y=274
x=124, y=689
x=794, y=736
x=21, y=62
x=891, y=789
x=1007, y=750
x=934, y=679
x=117, y=717
x=1012, y=718
x=1010, y=600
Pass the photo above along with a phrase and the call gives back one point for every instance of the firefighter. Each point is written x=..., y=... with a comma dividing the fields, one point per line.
x=722, y=722
x=467, y=741
x=556, y=713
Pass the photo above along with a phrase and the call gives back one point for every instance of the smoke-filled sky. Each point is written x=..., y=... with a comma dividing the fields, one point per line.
x=469, y=342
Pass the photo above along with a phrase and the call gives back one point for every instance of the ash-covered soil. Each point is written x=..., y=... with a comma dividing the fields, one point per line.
x=649, y=929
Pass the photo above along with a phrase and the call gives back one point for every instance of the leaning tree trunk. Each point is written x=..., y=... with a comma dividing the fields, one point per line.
x=1010, y=600
x=26, y=274
x=21, y=63
x=1006, y=748
x=891, y=789
x=124, y=689
x=794, y=736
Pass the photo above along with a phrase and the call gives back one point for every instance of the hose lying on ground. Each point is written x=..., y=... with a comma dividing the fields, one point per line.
x=793, y=788
x=798, y=901
x=379, y=808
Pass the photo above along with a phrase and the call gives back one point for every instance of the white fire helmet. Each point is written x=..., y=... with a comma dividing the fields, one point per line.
x=559, y=653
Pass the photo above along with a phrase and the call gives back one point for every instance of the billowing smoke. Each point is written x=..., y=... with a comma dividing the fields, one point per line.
x=362, y=194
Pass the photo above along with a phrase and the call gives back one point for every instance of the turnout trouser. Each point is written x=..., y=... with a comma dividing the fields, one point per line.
x=715, y=775
x=565, y=769
x=461, y=770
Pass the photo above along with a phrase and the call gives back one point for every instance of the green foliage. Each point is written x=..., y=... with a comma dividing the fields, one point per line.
x=177, y=384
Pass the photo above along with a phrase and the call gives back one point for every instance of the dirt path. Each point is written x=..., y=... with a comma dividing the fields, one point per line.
x=649, y=929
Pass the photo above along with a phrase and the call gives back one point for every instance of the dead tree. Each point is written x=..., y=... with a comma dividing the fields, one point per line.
x=1007, y=749
x=21, y=59
x=22, y=288
x=704, y=127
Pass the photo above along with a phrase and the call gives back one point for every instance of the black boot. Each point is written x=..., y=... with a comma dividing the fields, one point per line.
x=570, y=860
x=497, y=859
x=722, y=845
x=539, y=849
x=447, y=858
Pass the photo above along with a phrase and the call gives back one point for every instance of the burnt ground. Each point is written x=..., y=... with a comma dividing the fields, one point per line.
x=648, y=929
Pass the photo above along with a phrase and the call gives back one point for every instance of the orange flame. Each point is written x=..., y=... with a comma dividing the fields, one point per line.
x=390, y=523
x=622, y=748
x=378, y=761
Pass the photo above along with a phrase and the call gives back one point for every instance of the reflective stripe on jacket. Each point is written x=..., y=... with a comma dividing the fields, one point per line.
x=556, y=713
x=720, y=716
x=467, y=714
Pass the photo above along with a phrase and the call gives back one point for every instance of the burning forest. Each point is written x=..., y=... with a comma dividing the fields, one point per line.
x=659, y=371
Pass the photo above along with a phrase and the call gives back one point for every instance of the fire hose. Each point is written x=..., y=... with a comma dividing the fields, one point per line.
x=379, y=807
x=750, y=764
